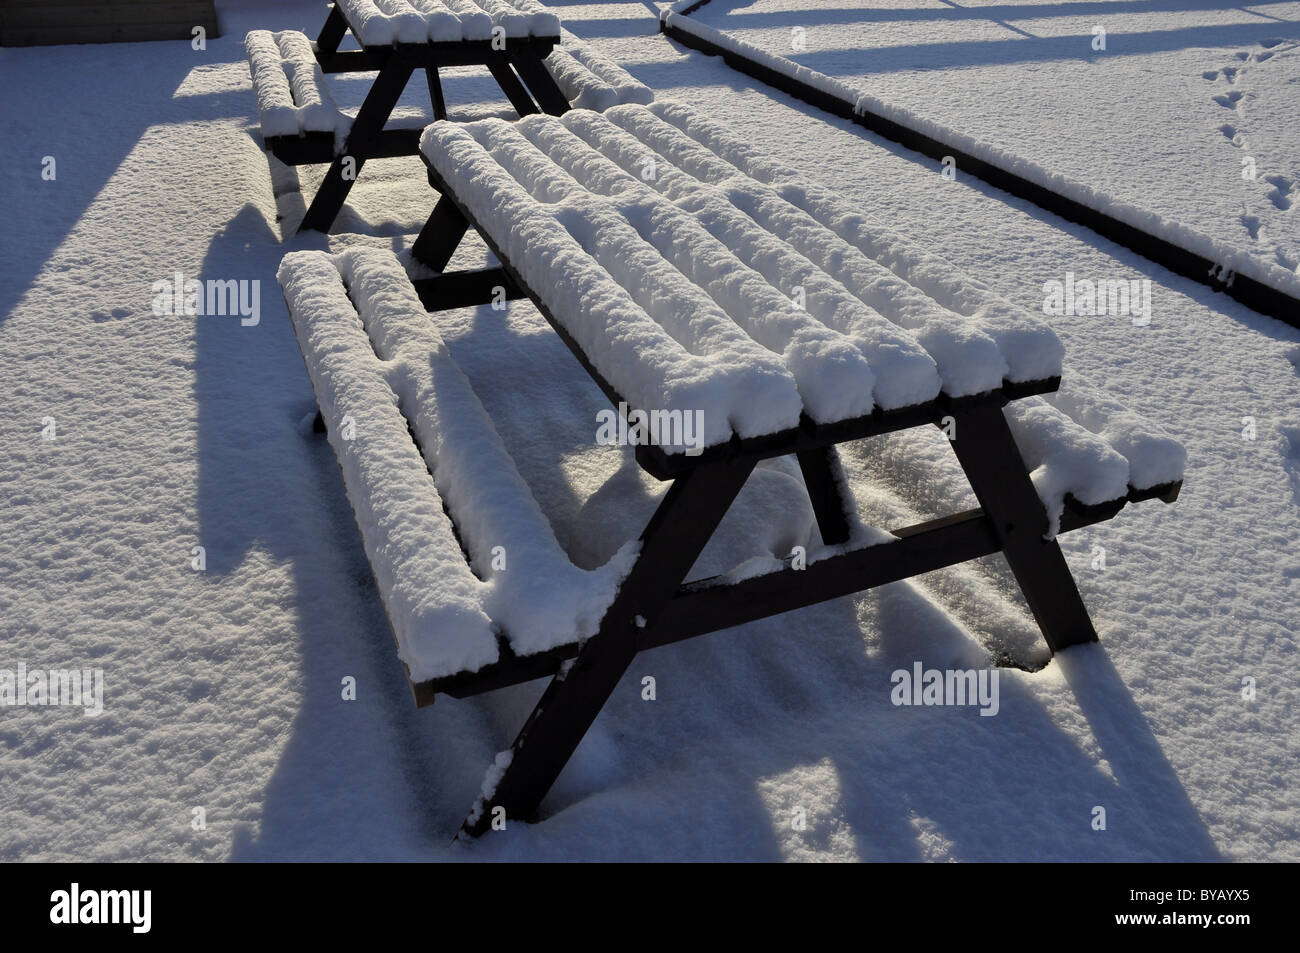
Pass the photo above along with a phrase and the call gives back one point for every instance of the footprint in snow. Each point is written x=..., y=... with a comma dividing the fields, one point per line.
x=1283, y=191
x=1229, y=100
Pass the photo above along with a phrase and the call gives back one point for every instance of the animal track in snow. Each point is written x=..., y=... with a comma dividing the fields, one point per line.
x=1229, y=100
x=1283, y=193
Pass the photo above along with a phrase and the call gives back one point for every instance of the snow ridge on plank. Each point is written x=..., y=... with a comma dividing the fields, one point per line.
x=382, y=364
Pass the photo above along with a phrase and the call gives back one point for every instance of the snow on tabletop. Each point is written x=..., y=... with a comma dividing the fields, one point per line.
x=289, y=87
x=387, y=367
x=656, y=338
x=385, y=22
x=1028, y=346
x=974, y=336
x=698, y=272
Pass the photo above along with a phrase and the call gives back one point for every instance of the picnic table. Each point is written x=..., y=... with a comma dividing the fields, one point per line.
x=722, y=283
x=301, y=123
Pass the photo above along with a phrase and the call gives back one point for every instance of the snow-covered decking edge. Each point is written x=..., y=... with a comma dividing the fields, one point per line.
x=1261, y=285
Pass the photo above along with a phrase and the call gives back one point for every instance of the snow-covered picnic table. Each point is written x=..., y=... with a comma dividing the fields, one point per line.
x=516, y=40
x=696, y=281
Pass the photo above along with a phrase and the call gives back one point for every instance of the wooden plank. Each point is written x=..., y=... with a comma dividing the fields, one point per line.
x=191, y=12
x=71, y=33
x=463, y=289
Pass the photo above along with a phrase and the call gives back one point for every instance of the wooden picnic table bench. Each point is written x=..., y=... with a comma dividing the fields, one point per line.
x=516, y=40
x=686, y=272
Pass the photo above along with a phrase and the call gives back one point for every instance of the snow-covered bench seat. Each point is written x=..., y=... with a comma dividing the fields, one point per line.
x=293, y=100
x=427, y=474
x=591, y=80
x=301, y=122
x=696, y=274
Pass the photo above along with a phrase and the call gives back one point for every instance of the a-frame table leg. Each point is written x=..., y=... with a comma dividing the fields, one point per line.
x=539, y=81
x=987, y=451
x=499, y=67
x=670, y=544
x=332, y=33
x=822, y=476
x=435, y=92
x=345, y=168
x=440, y=236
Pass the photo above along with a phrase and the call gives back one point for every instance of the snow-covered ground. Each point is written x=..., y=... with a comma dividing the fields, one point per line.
x=1188, y=110
x=223, y=686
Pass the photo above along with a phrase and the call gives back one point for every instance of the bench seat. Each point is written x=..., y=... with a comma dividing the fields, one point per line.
x=426, y=474
x=293, y=99
x=591, y=80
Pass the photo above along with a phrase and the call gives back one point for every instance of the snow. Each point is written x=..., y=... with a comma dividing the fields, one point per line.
x=1216, y=81
x=384, y=22
x=291, y=93
x=656, y=337
x=590, y=80
x=704, y=276
x=222, y=686
x=381, y=378
x=1065, y=459
x=1154, y=457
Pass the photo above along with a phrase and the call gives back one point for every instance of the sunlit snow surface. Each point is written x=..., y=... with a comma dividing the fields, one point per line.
x=223, y=686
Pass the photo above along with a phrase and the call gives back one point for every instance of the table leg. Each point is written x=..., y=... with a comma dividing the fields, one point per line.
x=540, y=82
x=441, y=235
x=987, y=452
x=331, y=34
x=822, y=475
x=670, y=544
x=374, y=112
x=500, y=69
x=435, y=92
